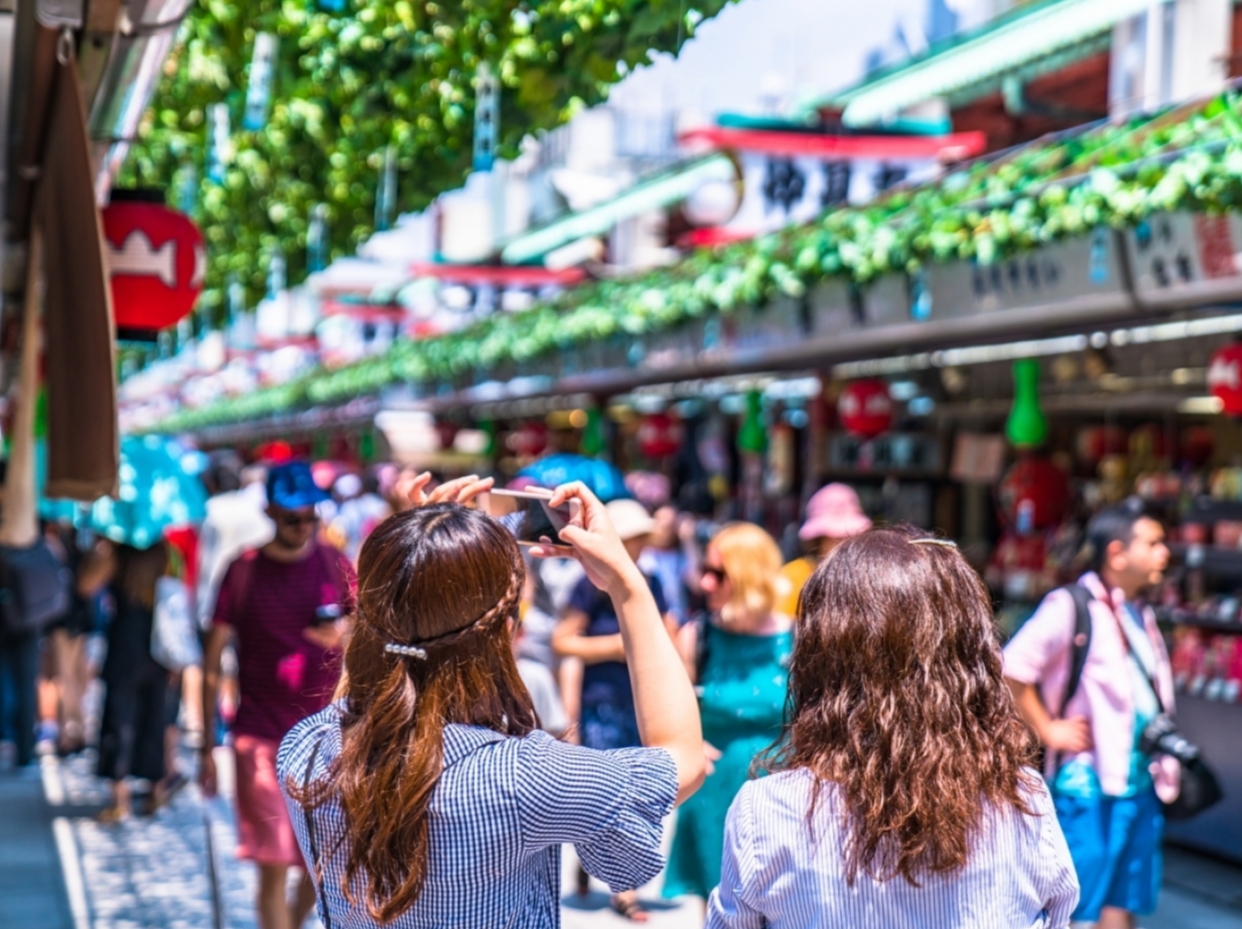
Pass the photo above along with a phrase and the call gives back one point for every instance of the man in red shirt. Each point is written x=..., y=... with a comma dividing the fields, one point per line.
x=286, y=607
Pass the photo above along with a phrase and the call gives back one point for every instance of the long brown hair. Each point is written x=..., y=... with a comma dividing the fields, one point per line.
x=138, y=569
x=444, y=579
x=897, y=698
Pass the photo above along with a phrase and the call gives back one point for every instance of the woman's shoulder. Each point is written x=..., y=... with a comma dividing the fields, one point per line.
x=313, y=742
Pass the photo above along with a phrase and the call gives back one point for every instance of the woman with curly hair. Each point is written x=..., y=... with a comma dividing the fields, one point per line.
x=901, y=794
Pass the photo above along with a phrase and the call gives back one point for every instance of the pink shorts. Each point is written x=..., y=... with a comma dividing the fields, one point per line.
x=264, y=832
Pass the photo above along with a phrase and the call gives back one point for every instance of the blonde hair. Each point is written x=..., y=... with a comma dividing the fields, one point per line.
x=752, y=561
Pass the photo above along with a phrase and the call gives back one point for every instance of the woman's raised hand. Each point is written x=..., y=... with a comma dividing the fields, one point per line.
x=594, y=541
x=413, y=490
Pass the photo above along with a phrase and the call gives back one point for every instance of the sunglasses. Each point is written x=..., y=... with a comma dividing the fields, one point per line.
x=719, y=575
x=297, y=520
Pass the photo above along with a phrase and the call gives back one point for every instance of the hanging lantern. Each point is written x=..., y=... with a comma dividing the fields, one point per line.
x=157, y=260
x=659, y=435
x=865, y=408
x=528, y=440
x=1095, y=443
x=1197, y=445
x=1027, y=426
x=1148, y=443
x=1034, y=494
x=446, y=433
x=1224, y=378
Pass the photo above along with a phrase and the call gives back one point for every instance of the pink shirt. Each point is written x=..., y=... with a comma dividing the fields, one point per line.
x=1040, y=654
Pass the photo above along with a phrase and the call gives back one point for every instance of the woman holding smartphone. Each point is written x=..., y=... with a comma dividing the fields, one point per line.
x=426, y=796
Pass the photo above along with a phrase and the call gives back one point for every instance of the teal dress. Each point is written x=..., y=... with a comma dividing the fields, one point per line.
x=744, y=680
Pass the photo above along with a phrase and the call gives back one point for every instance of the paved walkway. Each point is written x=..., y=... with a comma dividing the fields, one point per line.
x=59, y=869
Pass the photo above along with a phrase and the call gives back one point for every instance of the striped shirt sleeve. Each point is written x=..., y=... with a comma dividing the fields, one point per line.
x=1056, y=879
x=727, y=907
x=610, y=805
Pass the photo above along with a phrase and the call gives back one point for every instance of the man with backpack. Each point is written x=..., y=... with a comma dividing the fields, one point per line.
x=1090, y=673
x=286, y=606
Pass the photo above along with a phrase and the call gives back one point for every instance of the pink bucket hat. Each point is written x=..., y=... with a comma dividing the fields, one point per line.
x=834, y=513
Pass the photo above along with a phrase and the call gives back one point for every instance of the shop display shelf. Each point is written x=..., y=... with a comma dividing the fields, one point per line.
x=1180, y=617
x=1225, y=562
x=1210, y=510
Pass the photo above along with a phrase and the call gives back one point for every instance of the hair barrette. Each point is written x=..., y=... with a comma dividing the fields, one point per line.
x=945, y=542
x=407, y=651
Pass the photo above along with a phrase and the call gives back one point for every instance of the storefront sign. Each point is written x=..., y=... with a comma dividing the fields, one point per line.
x=1181, y=256
x=1063, y=271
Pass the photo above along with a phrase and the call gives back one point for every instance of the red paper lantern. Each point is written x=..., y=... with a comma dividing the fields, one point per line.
x=529, y=440
x=1224, y=378
x=446, y=433
x=1197, y=445
x=157, y=262
x=1096, y=443
x=1034, y=494
x=659, y=435
x=865, y=408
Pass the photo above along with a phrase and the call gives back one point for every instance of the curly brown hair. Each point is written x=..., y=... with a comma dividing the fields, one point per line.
x=896, y=698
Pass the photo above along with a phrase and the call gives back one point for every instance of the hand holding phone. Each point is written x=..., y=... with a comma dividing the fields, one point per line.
x=594, y=542
x=529, y=515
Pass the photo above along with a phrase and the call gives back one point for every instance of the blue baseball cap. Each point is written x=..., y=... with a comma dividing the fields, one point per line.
x=291, y=486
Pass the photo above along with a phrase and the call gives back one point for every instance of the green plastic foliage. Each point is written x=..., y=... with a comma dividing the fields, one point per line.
x=385, y=72
x=1027, y=426
x=1107, y=175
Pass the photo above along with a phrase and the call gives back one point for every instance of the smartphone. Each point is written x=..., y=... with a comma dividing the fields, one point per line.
x=327, y=614
x=528, y=516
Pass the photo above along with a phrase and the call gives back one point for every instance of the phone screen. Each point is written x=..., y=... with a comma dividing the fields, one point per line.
x=528, y=517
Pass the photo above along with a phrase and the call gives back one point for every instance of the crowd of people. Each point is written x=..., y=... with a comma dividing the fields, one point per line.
x=421, y=711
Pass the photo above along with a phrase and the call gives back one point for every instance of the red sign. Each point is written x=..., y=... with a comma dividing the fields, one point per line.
x=157, y=262
x=659, y=435
x=1224, y=378
x=865, y=408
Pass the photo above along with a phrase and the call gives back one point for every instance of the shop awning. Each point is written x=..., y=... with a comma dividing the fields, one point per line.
x=953, y=146
x=650, y=194
x=1005, y=45
x=499, y=276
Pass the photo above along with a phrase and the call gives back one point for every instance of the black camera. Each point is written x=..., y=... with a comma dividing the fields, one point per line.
x=1161, y=735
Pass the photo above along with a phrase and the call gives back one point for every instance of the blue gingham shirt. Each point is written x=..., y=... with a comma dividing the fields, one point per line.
x=498, y=816
x=1019, y=874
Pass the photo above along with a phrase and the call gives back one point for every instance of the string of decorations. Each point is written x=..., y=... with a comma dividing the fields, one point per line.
x=1117, y=175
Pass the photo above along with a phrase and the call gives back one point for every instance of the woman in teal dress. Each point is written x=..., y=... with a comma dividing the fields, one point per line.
x=741, y=666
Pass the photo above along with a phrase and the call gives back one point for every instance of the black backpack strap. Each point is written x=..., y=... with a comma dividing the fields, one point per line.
x=316, y=867
x=1080, y=644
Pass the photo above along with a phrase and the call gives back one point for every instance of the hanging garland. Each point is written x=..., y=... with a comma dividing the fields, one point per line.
x=1111, y=175
x=348, y=79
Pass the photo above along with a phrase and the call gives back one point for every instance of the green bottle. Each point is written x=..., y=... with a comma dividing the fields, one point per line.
x=1027, y=426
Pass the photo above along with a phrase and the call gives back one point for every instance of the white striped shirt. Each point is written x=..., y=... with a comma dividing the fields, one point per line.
x=774, y=875
x=499, y=814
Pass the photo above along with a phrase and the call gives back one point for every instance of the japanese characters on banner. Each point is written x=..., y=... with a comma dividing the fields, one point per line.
x=157, y=261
